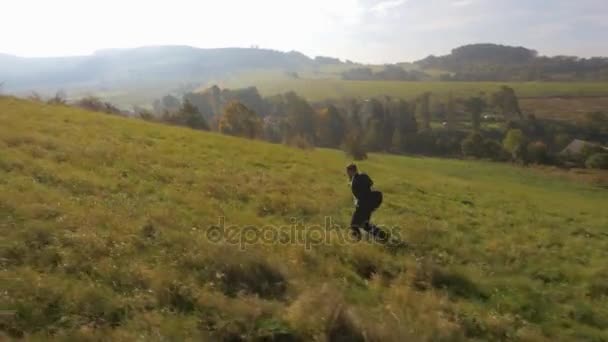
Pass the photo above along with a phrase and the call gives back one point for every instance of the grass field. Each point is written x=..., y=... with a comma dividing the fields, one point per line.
x=327, y=88
x=105, y=233
x=569, y=108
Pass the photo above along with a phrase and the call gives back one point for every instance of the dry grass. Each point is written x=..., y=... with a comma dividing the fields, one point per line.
x=564, y=108
x=104, y=226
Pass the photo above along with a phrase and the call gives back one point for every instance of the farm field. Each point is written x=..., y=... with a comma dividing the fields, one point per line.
x=564, y=108
x=321, y=89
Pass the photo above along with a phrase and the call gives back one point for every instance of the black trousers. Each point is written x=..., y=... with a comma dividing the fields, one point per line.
x=361, y=220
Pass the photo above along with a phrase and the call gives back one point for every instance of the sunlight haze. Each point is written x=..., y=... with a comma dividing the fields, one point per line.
x=360, y=30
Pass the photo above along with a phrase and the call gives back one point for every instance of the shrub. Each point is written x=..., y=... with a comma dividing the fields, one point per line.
x=60, y=98
x=145, y=114
x=493, y=150
x=354, y=148
x=472, y=146
x=300, y=142
x=515, y=143
x=35, y=97
x=537, y=152
x=97, y=105
x=597, y=161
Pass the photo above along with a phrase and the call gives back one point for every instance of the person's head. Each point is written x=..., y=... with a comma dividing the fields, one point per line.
x=351, y=170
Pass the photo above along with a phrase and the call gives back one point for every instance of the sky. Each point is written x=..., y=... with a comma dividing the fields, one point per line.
x=371, y=31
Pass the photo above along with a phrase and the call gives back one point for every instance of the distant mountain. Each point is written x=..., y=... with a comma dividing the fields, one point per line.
x=146, y=64
x=492, y=62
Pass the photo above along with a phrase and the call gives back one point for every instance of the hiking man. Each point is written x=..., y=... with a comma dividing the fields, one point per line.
x=366, y=202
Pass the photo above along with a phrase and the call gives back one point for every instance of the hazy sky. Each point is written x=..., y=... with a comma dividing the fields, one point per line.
x=361, y=30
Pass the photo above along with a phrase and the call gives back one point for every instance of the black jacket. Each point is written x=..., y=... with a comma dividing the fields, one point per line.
x=361, y=186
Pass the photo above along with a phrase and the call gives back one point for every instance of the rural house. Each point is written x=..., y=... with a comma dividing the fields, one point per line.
x=577, y=146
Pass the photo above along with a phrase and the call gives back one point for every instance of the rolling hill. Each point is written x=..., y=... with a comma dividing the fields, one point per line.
x=116, y=228
x=127, y=67
x=492, y=62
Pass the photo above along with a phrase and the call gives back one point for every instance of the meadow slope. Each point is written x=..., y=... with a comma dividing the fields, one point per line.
x=106, y=232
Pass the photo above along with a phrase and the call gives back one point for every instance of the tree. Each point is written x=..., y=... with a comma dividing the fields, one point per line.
x=405, y=126
x=476, y=146
x=515, y=143
x=170, y=102
x=330, y=127
x=450, y=113
x=494, y=150
x=424, y=111
x=272, y=127
x=354, y=124
x=189, y=115
x=300, y=117
x=475, y=106
x=354, y=147
x=473, y=146
x=506, y=101
x=239, y=120
x=397, y=141
x=537, y=152
x=596, y=123
x=375, y=137
x=60, y=98
x=186, y=115
x=597, y=161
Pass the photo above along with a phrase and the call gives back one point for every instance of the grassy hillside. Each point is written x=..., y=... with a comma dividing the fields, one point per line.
x=105, y=231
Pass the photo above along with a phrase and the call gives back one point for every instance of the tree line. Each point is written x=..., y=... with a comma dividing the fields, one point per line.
x=388, y=73
x=486, y=126
x=491, y=62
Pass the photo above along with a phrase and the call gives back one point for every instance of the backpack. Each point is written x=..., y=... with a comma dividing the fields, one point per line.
x=375, y=199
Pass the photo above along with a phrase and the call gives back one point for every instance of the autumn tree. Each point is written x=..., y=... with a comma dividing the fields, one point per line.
x=239, y=120
x=300, y=117
x=330, y=127
x=374, y=138
x=354, y=125
x=353, y=147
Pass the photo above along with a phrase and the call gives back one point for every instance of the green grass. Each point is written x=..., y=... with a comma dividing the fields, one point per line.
x=321, y=89
x=104, y=222
x=322, y=83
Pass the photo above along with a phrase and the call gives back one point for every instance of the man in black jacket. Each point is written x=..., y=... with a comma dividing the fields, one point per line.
x=366, y=201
